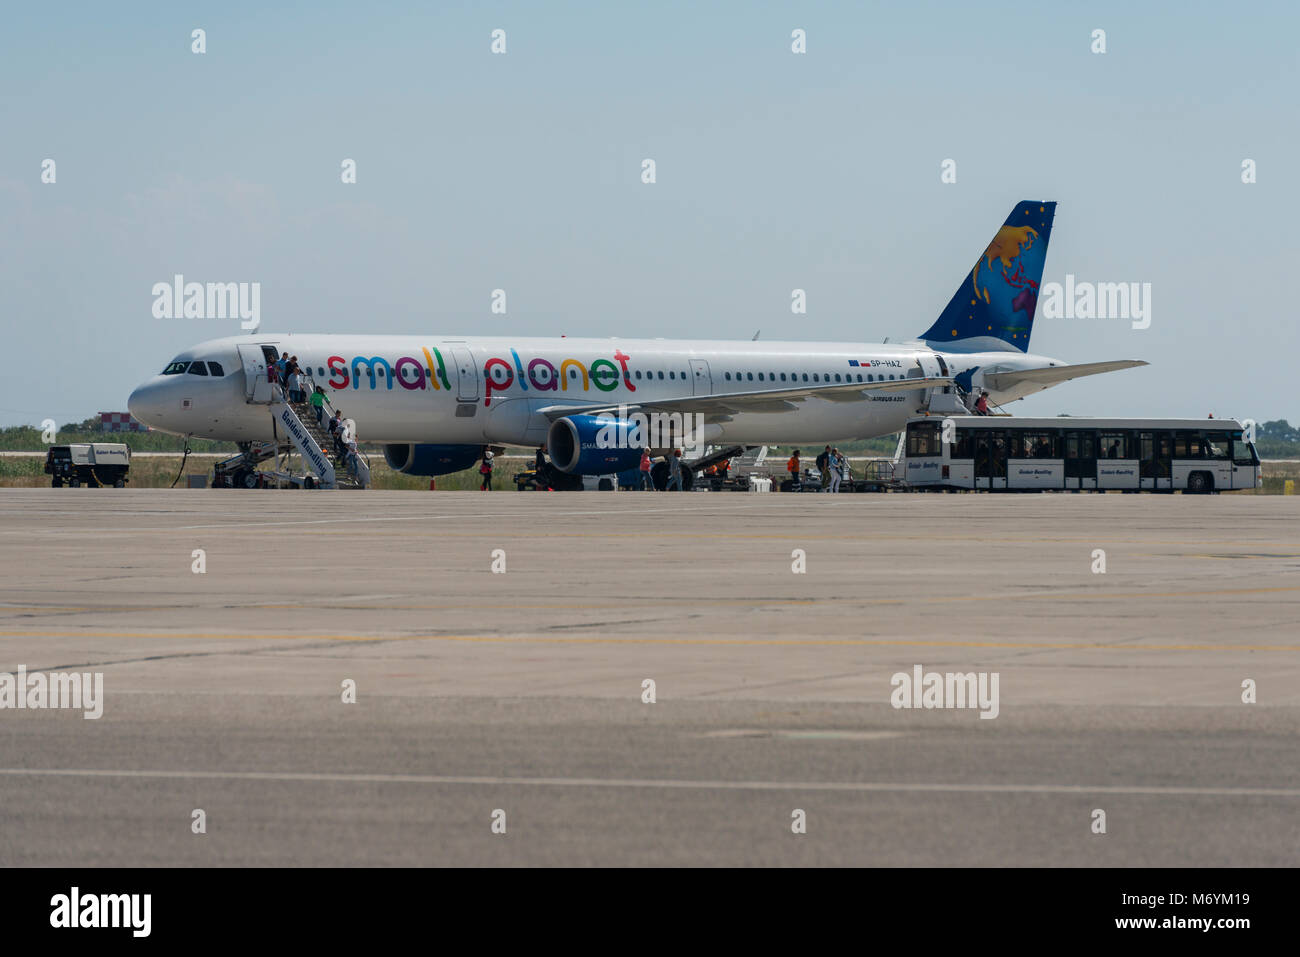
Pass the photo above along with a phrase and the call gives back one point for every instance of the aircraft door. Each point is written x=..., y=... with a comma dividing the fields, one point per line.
x=931, y=366
x=257, y=383
x=701, y=380
x=466, y=375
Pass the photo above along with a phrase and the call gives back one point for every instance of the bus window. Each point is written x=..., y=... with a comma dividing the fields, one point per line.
x=1243, y=452
x=1116, y=445
x=1187, y=445
x=964, y=447
x=1216, y=445
x=1035, y=445
x=923, y=440
x=1080, y=445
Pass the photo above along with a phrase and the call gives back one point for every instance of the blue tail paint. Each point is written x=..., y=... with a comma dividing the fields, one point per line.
x=994, y=306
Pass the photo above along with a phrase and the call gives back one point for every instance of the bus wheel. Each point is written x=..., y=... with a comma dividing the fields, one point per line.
x=1198, y=483
x=120, y=483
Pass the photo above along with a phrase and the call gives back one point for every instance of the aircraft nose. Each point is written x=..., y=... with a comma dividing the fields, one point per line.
x=146, y=403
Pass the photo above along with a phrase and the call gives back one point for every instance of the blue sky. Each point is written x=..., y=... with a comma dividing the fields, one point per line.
x=521, y=172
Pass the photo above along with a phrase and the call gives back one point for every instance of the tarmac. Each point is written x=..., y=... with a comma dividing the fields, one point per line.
x=1157, y=683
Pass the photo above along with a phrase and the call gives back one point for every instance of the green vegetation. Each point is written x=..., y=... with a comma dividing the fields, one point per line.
x=884, y=445
x=27, y=438
x=1277, y=440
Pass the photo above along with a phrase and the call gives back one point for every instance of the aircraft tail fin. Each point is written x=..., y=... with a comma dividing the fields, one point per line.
x=995, y=303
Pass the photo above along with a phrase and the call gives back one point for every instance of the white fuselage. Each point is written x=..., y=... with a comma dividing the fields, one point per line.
x=478, y=390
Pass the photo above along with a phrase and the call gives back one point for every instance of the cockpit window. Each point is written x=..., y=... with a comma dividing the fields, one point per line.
x=215, y=369
x=198, y=368
x=175, y=368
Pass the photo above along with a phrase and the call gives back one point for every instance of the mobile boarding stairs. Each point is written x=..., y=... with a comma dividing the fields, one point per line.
x=296, y=429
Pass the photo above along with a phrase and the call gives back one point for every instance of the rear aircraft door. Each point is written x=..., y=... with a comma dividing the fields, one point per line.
x=257, y=382
x=701, y=379
x=466, y=375
x=930, y=366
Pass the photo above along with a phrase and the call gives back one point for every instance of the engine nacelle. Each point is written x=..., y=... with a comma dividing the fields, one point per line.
x=411, y=459
x=591, y=445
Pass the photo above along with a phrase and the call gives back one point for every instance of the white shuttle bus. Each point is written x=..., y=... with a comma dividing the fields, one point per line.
x=1010, y=454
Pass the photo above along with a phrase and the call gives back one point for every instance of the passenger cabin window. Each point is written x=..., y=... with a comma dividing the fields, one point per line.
x=198, y=368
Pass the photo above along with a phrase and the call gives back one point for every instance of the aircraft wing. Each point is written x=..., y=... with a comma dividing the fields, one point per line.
x=769, y=400
x=1054, y=375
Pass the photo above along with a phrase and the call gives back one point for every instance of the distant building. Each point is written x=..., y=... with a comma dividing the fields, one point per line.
x=120, y=422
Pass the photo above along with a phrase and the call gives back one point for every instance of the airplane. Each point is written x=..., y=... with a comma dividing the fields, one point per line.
x=434, y=402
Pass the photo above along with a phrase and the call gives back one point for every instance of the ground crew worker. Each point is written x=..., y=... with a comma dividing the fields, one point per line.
x=674, y=471
x=982, y=404
x=486, y=471
x=644, y=467
x=792, y=467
